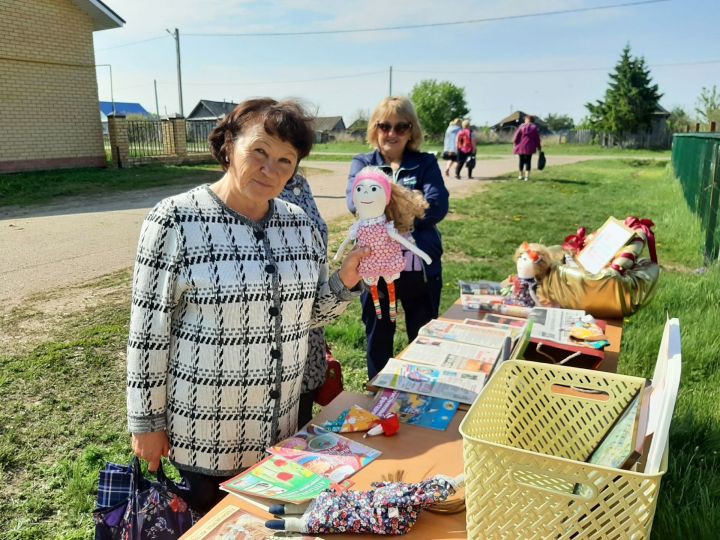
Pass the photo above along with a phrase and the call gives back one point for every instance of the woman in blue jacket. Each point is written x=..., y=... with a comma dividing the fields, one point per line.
x=394, y=130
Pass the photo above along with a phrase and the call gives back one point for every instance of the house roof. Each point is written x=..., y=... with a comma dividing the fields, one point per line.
x=102, y=16
x=515, y=119
x=106, y=107
x=211, y=110
x=329, y=123
x=358, y=125
x=661, y=111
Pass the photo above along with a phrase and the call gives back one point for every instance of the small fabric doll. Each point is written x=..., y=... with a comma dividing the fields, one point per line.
x=389, y=508
x=385, y=212
x=532, y=262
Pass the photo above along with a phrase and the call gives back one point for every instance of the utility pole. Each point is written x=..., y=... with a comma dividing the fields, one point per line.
x=112, y=95
x=157, y=107
x=390, y=89
x=176, y=37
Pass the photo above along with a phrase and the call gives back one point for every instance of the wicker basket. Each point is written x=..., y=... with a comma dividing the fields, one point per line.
x=526, y=439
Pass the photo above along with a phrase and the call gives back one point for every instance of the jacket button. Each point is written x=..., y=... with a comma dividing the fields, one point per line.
x=275, y=354
x=274, y=394
x=270, y=268
x=274, y=311
x=259, y=235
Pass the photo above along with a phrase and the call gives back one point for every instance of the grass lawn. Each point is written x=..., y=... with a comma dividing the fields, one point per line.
x=63, y=397
x=30, y=188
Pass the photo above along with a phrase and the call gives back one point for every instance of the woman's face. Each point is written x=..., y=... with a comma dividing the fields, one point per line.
x=262, y=164
x=394, y=140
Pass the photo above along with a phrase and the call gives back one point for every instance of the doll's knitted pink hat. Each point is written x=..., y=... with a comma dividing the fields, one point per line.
x=377, y=174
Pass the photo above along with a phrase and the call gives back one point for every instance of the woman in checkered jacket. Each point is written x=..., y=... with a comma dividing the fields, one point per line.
x=229, y=280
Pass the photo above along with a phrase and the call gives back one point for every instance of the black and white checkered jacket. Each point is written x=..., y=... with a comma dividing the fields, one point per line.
x=221, y=310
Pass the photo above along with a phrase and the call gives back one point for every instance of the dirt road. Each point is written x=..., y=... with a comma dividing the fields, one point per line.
x=78, y=239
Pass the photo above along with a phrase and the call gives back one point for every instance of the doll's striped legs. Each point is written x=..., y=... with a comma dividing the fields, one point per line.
x=392, y=300
x=376, y=300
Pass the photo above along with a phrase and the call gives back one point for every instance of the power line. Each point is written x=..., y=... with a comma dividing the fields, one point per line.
x=132, y=43
x=357, y=75
x=431, y=25
x=553, y=70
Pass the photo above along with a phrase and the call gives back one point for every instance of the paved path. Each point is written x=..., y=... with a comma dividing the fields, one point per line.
x=67, y=243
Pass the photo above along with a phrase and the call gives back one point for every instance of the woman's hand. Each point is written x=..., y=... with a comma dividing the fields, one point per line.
x=348, y=272
x=151, y=447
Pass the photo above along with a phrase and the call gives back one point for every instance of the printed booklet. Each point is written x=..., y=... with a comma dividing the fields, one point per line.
x=492, y=338
x=444, y=383
x=232, y=522
x=325, y=453
x=415, y=409
x=280, y=479
x=450, y=354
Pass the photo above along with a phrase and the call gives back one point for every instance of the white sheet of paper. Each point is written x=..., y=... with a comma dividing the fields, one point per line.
x=600, y=251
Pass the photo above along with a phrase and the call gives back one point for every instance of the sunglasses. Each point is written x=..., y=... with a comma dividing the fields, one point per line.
x=400, y=128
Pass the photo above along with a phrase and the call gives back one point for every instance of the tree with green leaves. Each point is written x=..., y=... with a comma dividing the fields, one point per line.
x=558, y=122
x=630, y=100
x=679, y=120
x=708, y=105
x=437, y=103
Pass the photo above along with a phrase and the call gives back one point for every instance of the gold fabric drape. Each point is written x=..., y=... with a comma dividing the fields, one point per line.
x=606, y=294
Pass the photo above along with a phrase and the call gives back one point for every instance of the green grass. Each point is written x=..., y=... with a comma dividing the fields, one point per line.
x=63, y=397
x=34, y=188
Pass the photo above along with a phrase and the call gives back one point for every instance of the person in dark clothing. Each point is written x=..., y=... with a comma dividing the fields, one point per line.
x=526, y=142
x=394, y=130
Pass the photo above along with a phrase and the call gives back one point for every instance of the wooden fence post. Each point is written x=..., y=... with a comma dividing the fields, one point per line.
x=119, y=143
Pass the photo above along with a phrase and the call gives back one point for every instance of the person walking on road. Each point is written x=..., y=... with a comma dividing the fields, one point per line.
x=466, y=148
x=450, y=144
x=527, y=142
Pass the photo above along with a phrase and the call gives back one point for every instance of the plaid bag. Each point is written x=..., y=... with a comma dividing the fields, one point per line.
x=131, y=507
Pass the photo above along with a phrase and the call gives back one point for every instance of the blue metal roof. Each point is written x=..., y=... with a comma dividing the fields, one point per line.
x=106, y=107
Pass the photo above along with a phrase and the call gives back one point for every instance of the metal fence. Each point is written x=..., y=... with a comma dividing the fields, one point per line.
x=197, y=133
x=696, y=161
x=145, y=138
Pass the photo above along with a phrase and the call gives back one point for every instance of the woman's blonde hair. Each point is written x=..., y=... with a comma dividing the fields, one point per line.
x=402, y=107
x=465, y=124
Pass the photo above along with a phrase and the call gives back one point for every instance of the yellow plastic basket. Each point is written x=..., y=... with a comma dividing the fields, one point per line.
x=525, y=442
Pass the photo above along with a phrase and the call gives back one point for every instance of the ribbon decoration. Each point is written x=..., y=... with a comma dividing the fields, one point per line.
x=575, y=242
x=643, y=228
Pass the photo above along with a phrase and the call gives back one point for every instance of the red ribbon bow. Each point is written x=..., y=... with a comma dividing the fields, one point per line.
x=575, y=242
x=644, y=225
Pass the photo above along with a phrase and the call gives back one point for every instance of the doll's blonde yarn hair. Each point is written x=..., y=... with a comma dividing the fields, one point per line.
x=405, y=207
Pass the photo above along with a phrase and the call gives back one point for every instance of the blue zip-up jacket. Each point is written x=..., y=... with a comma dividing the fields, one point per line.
x=419, y=170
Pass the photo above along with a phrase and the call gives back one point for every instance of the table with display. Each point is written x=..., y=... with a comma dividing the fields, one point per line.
x=418, y=452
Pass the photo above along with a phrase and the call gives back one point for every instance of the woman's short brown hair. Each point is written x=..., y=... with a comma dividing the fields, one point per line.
x=402, y=107
x=286, y=120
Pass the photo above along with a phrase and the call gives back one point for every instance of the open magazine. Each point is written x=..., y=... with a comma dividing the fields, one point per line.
x=451, y=384
x=450, y=354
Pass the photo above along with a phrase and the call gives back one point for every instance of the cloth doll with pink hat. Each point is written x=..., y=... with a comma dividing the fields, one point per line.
x=386, y=214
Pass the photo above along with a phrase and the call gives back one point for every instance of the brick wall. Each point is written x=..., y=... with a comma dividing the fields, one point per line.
x=48, y=109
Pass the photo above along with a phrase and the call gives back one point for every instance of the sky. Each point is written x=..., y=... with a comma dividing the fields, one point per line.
x=537, y=64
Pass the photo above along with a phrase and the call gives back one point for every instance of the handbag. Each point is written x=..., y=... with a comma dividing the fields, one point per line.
x=333, y=385
x=132, y=507
x=541, y=161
